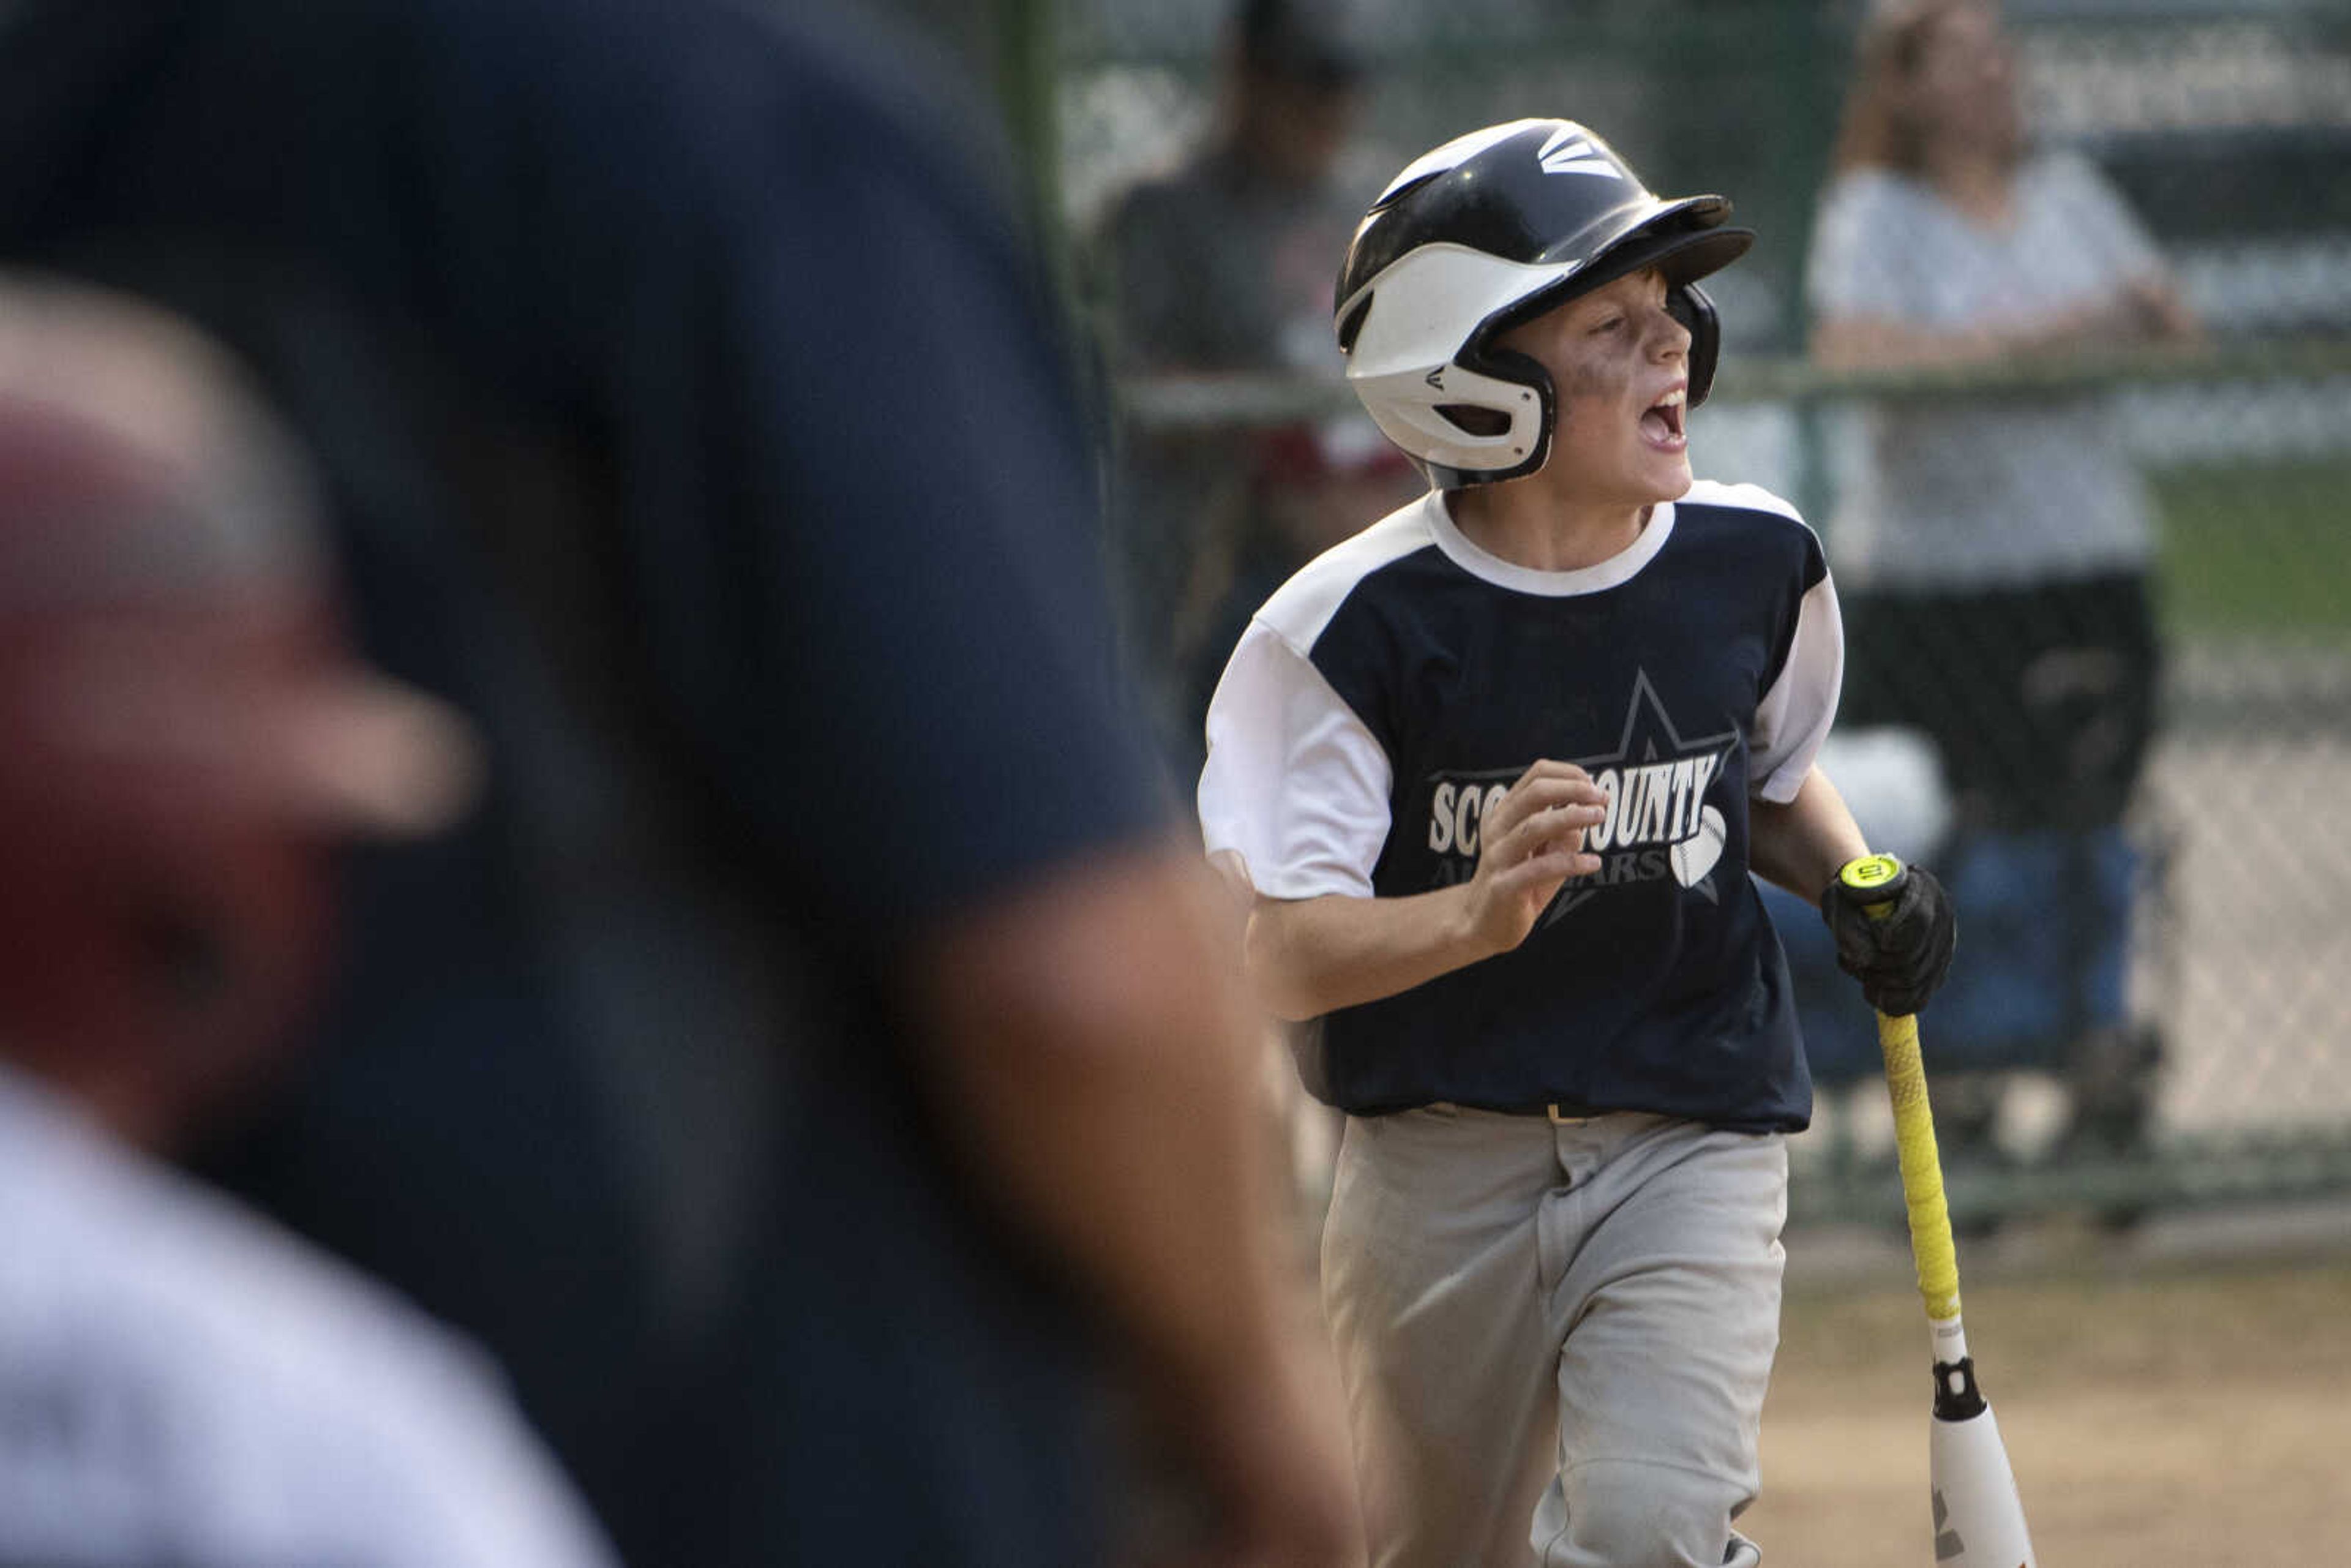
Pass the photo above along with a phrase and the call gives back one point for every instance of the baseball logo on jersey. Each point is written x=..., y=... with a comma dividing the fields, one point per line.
x=1659, y=823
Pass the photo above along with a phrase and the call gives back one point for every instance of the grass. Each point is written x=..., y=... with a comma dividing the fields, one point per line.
x=2257, y=550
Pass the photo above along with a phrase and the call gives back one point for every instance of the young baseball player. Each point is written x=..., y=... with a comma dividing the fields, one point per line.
x=1496, y=771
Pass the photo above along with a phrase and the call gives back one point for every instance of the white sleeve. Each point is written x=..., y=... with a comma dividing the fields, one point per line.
x=1795, y=713
x=1295, y=784
x=2105, y=218
x=291, y=1411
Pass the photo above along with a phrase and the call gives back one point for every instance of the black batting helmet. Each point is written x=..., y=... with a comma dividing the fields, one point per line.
x=1489, y=230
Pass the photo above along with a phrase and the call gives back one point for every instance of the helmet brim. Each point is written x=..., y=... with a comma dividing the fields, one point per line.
x=1670, y=243
x=1684, y=239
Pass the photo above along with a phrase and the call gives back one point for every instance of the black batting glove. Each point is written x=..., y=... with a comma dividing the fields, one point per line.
x=1899, y=958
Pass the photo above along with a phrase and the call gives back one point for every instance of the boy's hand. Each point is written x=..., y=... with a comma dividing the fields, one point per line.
x=1899, y=958
x=1531, y=843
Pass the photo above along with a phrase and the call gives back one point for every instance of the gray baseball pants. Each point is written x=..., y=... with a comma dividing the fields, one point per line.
x=1555, y=1337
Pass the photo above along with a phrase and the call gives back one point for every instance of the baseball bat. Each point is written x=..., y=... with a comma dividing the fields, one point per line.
x=1979, y=1518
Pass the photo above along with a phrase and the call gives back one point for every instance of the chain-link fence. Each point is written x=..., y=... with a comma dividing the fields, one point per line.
x=2096, y=567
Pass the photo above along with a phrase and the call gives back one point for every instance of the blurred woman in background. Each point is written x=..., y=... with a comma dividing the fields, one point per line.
x=1997, y=554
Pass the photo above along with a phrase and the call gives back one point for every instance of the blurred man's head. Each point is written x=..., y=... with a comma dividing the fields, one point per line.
x=187, y=739
x=1299, y=67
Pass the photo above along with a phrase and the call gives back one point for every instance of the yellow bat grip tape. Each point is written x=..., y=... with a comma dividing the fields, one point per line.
x=1914, y=1126
x=1922, y=1169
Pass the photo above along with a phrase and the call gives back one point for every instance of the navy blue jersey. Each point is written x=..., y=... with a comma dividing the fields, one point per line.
x=1386, y=697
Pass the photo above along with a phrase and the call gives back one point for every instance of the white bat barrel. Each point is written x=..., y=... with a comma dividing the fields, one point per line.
x=1979, y=1518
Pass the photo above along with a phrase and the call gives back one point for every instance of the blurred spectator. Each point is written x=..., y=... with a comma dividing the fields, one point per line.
x=812, y=1066
x=1225, y=266
x=179, y=1381
x=1996, y=553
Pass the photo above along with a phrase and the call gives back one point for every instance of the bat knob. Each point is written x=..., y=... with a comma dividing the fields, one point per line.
x=1879, y=877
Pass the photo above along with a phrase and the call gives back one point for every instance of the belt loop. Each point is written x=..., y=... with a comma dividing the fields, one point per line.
x=1558, y=1120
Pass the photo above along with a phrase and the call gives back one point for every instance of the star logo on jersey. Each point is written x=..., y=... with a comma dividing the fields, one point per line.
x=1658, y=823
x=1571, y=151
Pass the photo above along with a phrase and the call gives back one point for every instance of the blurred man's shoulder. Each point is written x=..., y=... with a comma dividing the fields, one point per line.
x=1164, y=196
x=258, y=1365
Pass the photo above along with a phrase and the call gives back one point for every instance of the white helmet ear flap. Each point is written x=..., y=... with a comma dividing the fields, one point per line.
x=1459, y=420
x=1406, y=333
x=1423, y=311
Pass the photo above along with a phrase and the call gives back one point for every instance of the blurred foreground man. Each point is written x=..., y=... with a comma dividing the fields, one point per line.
x=813, y=1068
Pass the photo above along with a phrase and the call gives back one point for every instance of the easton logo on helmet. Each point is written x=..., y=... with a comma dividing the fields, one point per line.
x=1571, y=151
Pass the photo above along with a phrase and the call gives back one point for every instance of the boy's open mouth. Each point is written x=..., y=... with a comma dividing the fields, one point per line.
x=1662, y=425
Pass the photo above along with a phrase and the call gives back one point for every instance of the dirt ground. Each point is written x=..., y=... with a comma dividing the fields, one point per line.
x=2178, y=1413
